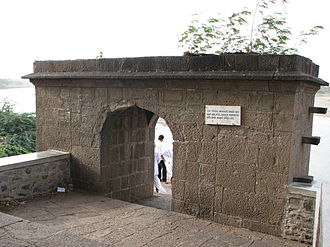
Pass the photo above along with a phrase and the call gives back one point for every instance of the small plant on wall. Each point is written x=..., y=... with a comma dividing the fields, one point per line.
x=245, y=32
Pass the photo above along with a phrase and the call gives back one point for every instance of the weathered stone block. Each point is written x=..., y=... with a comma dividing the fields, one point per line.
x=229, y=62
x=140, y=178
x=251, y=86
x=191, y=194
x=140, y=94
x=177, y=63
x=206, y=175
x=206, y=195
x=282, y=86
x=193, y=151
x=191, y=208
x=309, y=205
x=274, y=158
x=232, y=98
x=294, y=203
x=234, y=176
x=262, y=122
x=195, y=116
x=257, y=207
x=180, y=169
x=180, y=84
x=194, y=96
x=228, y=146
x=132, y=167
x=218, y=198
x=208, y=153
x=142, y=165
x=177, y=205
x=261, y=227
x=260, y=102
x=139, y=151
x=114, y=95
x=192, y=172
x=178, y=188
x=252, y=153
x=206, y=63
x=210, y=97
x=246, y=63
x=268, y=62
x=284, y=102
x=282, y=138
x=291, y=63
x=230, y=131
x=210, y=133
x=180, y=150
x=206, y=211
x=271, y=183
x=228, y=219
x=192, y=132
x=172, y=96
x=132, y=180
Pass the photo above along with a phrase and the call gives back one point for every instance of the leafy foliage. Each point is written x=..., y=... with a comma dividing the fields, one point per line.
x=239, y=33
x=17, y=131
x=8, y=150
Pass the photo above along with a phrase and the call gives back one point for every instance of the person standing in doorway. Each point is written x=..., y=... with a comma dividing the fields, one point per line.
x=162, y=173
x=158, y=185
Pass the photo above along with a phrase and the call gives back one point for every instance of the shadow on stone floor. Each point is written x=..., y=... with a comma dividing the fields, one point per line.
x=159, y=200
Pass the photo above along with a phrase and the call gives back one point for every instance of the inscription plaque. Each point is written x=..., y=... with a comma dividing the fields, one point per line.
x=222, y=115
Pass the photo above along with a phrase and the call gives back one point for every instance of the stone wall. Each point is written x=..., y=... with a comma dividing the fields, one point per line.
x=299, y=216
x=236, y=175
x=28, y=175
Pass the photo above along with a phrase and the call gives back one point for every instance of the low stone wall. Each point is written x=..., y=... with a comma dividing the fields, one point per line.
x=27, y=175
x=299, y=215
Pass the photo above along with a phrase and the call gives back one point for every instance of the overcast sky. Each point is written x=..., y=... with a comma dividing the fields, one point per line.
x=78, y=29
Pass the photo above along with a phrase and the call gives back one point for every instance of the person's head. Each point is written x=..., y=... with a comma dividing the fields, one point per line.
x=161, y=138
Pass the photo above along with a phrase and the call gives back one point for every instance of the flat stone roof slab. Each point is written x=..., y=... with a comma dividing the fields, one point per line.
x=209, y=67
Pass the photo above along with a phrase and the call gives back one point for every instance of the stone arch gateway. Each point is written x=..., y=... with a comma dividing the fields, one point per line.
x=127, y=146
x=235, y=175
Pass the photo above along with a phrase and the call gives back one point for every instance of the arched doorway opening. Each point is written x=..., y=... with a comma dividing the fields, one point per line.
x=128, y=141
x=162, y=197
x=127, y=148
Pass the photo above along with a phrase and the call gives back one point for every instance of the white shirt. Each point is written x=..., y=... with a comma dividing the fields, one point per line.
x=160, y=148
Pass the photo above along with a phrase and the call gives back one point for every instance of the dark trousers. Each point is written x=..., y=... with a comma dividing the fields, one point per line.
x=162, y=166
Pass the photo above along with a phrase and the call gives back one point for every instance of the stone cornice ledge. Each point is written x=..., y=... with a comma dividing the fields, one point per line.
x=26, y=160
x=209, y=75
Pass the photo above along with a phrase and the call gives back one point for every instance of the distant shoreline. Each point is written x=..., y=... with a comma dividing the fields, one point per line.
x=14, y=83
x=16, y=87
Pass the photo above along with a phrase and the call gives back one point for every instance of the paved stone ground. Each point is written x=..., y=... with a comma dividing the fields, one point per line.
x=80, y=219
x=159, y=200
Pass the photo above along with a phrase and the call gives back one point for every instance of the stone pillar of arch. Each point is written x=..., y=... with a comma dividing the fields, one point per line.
x=103, y=112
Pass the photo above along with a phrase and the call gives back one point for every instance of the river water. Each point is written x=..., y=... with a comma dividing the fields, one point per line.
x=24, y=100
